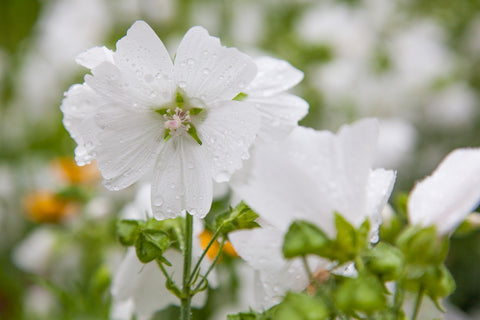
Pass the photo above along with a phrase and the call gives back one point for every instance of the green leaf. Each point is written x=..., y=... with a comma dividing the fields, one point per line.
x=364, y=294
x=303, y=238
x=423, y=245
x=241, y=96
x=242, y=217
x=438, y=282
x=128, y=230
x=151, y=244
x=195, y=111
x=162, y=111
x=301, y=306
x=384, y=260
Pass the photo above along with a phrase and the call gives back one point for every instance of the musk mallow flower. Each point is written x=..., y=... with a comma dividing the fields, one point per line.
x=446, y=197
x=182, y=123
x=308, y=176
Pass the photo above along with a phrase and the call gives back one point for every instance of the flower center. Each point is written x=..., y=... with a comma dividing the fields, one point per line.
x=179, y=121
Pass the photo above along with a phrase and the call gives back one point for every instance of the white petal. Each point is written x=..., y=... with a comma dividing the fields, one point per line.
x=311, y=175
x=447, y=196
x=261, y=248
x=129, y=140
x=123, y=283
x=78, y=109
x=207, y=70
x=182, y=180
x=227, y=133
x=380, y=186
x=118, y=85
x=142, y=57
x=280, y=114
x=94, y=57
x=273, y=76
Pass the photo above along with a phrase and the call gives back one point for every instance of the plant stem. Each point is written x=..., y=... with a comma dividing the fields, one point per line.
x=219, y=254
x=418, y=302
x=214, y=238
x=187, y=264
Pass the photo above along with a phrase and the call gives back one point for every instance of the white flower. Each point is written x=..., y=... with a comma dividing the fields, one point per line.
x=139, y=288
x=446, y=197
x=141, y=115
x=309, y=176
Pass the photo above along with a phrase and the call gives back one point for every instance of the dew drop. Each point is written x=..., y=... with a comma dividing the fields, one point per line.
x=221, y=176
x=172, y=186
x=191, y=62
x=157, y=201
x=190, y=165
x=182, y=84
x=206, y=71
x=89, y=144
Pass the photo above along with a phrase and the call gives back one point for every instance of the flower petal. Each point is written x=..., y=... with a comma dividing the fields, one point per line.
x=227, y=133
x=182, y=180
x=280, y=114
x=447, y=196
x=207, y=70
x=94, y=57
x=129, y=141
x=142, y=57
x=78, y=109
x=273, y=76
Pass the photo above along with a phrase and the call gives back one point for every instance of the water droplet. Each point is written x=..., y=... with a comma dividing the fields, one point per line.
x=172, y=186
x=182, y=84
x=205, y=52
x=89, y=144
x=242, y=84
x=191, y=62
x=157, y=201
x=206, y=71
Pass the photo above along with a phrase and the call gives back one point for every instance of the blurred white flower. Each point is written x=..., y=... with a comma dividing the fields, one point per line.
x=309, y=176
x=35, y=252
x=140, y=114
x=139, y=288
x=446, y=197
x=396, y=143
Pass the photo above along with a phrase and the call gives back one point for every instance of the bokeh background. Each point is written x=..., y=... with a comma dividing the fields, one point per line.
x=414, y=64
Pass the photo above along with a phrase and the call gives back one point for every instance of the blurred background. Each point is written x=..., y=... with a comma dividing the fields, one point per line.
x=414, y=64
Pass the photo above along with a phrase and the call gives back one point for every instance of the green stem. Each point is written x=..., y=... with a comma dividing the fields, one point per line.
x=309, y=272
x=197, y=266
x=418, y=302
x=185, y=309
x=219, y=254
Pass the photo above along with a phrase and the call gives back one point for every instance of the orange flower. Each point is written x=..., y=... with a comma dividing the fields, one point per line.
x=206, y=236
x=46, y=206
x=67, y=170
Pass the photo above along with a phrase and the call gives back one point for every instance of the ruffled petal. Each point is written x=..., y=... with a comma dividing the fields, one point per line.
x=129, y=142
x=207, y=70
x=447, y=196
x=182, y=180
x=280, y=114
x=78, y=108
x=94, y=57
x=273, y=76
x=145, y=62
x=227, y=133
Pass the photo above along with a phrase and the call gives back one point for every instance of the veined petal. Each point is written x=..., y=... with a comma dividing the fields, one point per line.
x=273, y=76
x=447, y=196
x=227, y=133
x=280, y=114
x=143, y=58
x=182, y=180
x=119, y=85
x=207, y=70
x=94, y=56
x=78, y=109
x=129, y=141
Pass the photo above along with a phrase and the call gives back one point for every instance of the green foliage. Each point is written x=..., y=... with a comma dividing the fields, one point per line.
x=303, y=238
x=301, y=306
x=242, y=217
x=423, y=245
x=385, y=261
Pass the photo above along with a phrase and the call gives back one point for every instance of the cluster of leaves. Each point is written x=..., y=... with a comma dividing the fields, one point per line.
x=411, y=258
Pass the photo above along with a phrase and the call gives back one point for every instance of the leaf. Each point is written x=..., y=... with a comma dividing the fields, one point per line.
x=385, y=261
x=301, y=306
x=151, y=244
x=303, y=238
x=241, y=96
x=128, y=230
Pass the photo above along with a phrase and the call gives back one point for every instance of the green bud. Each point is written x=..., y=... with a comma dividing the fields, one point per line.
x=301, y=306
x=364, y=294
x=101, y=279
x=438, y=282
x=423, y=246
x=151, y=244
x=128, y=230
x=242, y=217
x=303, y=238
x=385, y=261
